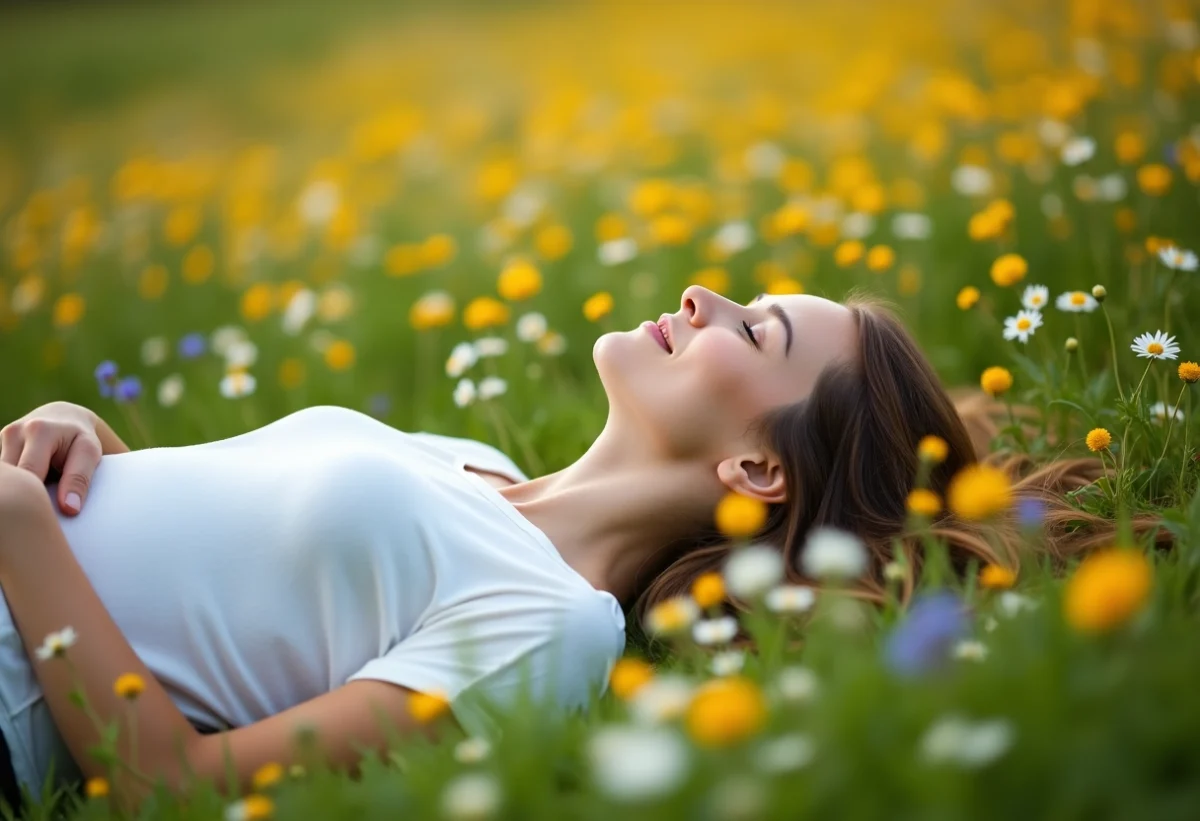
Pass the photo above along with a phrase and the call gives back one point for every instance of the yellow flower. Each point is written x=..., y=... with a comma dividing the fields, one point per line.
x=268, y=775
x=847, y=253
x=181, y=225
x=979, y=491
x=1154, y=179
x=438, y=250
x=924, y=502
x=1108, y=587
x=257, y=301
x=553, y=242
x=671, y=616
x=784, y=285
x=68, y=310
x=790, y=219
x=1009, y=269
x=984, y=225
x=651, y=197
x=880, y=258
x=996, y=380
x=426, y=707
x=1129, y=147
x=404, y=259
x=908, y=282
x=291, y=372
x=255, y=807
x=484, y=312
x=739, y=516
x=725, y=711
x=129, y=685
x=598, y=306
x=610, y=227
x=708, y=589
x=1189, y=372
x=997, y=577
x=96, y=787
x=628, y=676
x=198, y=265
x=933, y=449
x=152, y=284
x=670, y=229
x=519, y=280
x=714, y=279
x=1098, y=439
x=433, y=310
x=967, y=298
x=339, y=355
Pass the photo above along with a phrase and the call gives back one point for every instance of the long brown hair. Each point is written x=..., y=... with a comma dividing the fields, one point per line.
x=850, y=456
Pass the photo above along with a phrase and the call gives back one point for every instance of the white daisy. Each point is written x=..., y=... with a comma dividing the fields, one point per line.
x=715, y=631
x=1078, y=150
x=728, y=663
x=1158, y=412
x=1022, y=325
x=968, y=744
x=1178, y=259
x=790, y=598
x=56, y=644
x=237, y=384
x=970, y=650
x=912, y=225
x=785, y=753
x=155, y=350
x=830, y=553
x=472, y=750
x=637, y=763
x=616, y=251
x=1155, y=346
x=733, y=237
x=471, y=796
x=491, y=387
x=1076, y=302
x=462, y=357
x=241, y=354
x=664, y=698
x=1035, y=297
x=795, y=684
x=464, y=392
x=753, y=570
x=170, y=390
x=971, y=180
x=531, y=327
x=299, y=311
x=487, y=346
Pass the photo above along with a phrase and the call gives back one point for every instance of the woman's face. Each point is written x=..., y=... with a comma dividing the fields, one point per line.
x=723, y=366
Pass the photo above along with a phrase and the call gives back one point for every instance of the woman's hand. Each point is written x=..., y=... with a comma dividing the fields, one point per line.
x=23, y=500
x=59, y=435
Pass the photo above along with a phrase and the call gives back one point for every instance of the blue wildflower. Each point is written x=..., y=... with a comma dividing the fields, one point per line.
x=1031, y=512
x=379, y=404
x=924, y=639
x=192, y=346
x=105, y=373
x=128, y=389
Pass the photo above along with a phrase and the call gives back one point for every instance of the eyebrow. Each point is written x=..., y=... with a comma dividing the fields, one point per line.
x=781, y=314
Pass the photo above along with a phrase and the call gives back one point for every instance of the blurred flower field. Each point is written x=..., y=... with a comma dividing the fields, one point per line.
x=430, y=217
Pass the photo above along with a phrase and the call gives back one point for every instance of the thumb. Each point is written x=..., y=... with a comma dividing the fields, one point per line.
x=77, y=471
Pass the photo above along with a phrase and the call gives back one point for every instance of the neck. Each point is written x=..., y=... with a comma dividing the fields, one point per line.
x=615, y=512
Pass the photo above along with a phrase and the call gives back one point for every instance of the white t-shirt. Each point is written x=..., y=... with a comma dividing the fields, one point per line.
x=257, y=572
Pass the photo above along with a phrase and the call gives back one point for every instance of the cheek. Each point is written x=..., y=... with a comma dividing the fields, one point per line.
x=723, y=376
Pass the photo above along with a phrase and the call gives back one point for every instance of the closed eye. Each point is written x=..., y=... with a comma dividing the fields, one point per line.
x=750, y=333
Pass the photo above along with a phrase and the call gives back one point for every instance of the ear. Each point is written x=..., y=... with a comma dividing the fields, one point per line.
x=757, y=474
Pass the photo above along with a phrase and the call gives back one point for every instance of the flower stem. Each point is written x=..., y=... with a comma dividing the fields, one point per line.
x=1113, y=341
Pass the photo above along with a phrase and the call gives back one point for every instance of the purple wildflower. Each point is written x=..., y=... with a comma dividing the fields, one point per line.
x=192, y=346
x=379, y=404
x=128, y=389
x=924, y=639
x=106, y=372
x=1030, y=512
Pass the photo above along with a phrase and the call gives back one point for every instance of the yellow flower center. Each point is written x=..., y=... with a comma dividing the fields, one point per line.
x=1023, y=324
x=1078, y=298
x=1154, y=348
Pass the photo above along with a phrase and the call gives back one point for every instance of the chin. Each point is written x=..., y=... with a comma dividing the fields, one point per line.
x=617, y=356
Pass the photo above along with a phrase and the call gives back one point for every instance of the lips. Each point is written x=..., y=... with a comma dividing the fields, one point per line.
x=664, y=327
x=655, y=331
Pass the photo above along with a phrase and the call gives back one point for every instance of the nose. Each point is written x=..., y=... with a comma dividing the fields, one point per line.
x=700, y=305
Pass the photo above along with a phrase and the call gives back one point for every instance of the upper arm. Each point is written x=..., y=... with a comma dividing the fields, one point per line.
x=362, y=715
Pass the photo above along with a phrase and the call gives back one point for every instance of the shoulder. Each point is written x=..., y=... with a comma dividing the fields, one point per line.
x=474, y=453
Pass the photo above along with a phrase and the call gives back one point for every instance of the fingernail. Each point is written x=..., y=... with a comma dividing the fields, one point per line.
x=73, y=501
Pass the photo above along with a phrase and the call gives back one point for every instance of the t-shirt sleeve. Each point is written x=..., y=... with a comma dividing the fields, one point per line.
x=487, y=653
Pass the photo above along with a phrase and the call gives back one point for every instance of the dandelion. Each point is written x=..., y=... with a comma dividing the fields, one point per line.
x=970, y=745
x=631, y=764
x=1098, y=439
x=1076, y=302
x=340, y=356
x=996, y=577
x=428, y=707
x=752, y=571
x=933, y=449
x=1009, y=269
x=1178, y=259
x=1106, y=590
x=831, y=553
x=1189, y=372
x=531, y=327
x=1035, y=297
x=267, y=776
x=728, y=663
x=785, y=753
x=433, y=310
x=472, y=750
x=790, y=598
x=672, y=616
x=484, y=312
x=924, y=502
x=708, y=589
x=1155, y=346
x=967, y=298
x=471, y=796
x=979, y=491
x=848, y=253
x=253, y=807
x=739, y=516
x=490, y=387
x=715, y=631
x=725, y=711
x=464, y=393
x=237, y=384
x=629, y=675
x=1154, y=179
x=598, y=306
x=1022, y=326
x=129, y=686
x=96, y=787
x=880, y=258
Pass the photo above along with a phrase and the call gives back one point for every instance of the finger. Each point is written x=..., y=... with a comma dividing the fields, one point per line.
x=35, y=456
x=82, y=459
x=10, y=445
